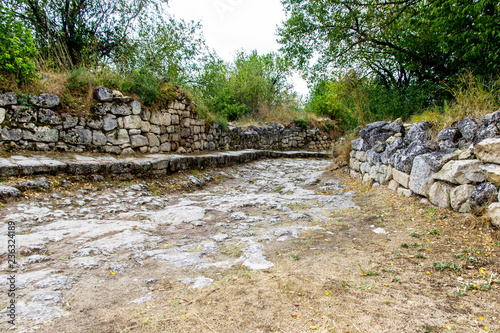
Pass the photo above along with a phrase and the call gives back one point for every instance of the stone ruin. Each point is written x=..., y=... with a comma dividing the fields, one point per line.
x=118, y=124
x=459, y=169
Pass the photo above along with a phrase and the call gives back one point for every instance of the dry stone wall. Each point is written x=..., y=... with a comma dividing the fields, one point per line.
x=118, y=124
x=459, y=169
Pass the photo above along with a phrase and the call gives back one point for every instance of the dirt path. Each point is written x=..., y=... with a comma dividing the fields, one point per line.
x=270, y=246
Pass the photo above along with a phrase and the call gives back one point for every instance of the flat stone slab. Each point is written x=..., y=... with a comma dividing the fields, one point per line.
x=143, y=167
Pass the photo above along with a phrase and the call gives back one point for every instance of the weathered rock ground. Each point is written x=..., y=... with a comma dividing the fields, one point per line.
x=270, y=246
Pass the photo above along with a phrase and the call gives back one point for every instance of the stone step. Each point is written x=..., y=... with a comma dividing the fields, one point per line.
x=143, y=167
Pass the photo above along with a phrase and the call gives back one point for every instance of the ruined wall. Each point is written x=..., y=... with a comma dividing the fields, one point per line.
x=459, y=169
x=117, y=124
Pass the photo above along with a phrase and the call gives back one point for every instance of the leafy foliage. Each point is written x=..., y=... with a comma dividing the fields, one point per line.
x=401, y=42
x=17, y=49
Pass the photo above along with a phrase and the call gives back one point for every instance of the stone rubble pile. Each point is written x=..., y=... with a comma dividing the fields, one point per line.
x=117, y=124
x=459, y=169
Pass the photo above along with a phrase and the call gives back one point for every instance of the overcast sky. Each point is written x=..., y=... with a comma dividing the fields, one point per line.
x=233, y=25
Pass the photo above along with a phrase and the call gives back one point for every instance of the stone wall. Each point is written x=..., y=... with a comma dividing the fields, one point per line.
x=117, y=124
x=459, y=169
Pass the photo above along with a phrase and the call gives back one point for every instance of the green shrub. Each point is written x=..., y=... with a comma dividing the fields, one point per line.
x=301, y=122
x=145, y=85
x=17, y=49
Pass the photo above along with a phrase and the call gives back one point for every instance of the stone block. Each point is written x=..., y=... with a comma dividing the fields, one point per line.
x=138, y=141
x=41, y=134
x=402, y=178
x=48, y=117
x=393, y=185
x=493, y=212
x=145, y=126
x=2, y=115
x=175, y=119
x=45, y=100
x=77, y=136
x=492, y=173
x=96, y=124
x=14, y=134
x=98, y=138
x=166, y=147
x=488, y=151
x=161, y=118
x=136, y=108
x=483, y=195
x=23, y=114
x=361, y=156
x=69, y=120
x=109, y=122
x=460, y=198
x=155, y=129
x=153, y=140
x=118, y=137
x=121, y=110
x=461, y=172
x=103, y=94
x=9, y=98
x=406, y=192
x=132, y=122
x=439, y=194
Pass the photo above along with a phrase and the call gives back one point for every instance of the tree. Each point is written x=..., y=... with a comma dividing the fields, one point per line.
x=164, y=47
x=80, y=29
x=399, y=41
x=17, y=49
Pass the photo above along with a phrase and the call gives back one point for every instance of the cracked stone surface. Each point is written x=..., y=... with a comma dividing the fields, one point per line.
x=72, y=244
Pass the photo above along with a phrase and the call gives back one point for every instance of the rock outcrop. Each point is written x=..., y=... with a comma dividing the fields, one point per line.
x=459, y=169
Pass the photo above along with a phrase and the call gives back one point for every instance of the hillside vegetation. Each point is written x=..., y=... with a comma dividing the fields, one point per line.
x=364, y=62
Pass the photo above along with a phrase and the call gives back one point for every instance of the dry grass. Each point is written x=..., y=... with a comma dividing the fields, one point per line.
x=344, y=278
x=472, y=98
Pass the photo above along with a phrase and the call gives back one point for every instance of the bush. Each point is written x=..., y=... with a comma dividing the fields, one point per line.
x=17, y=49
x=145, y=85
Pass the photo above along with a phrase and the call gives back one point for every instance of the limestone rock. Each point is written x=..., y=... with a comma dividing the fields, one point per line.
x=161, y=118
x=357, y=144
x=9, y=192
x=121, y=110
x=14, y=134
x=483, y=195
x=23, y=114
x=138, y=141
x=492, y=173
x=103, y=94
x=69, y=121
x=95, y=123
x=419, y=132
x=136, y=108
x=77, y=136
x=45, y=100
x=488, y=151
x=98, y=138
x=132, y=122
x=468, y=128
x=109, y=122
x=493, y=212
x=153, y=140
x=461, y=172
x=48, y=117
x=402, y=178
x=43, y=134
x=439, y=194
x=118, y=137
x=9, y=98
x=2, y=115
x=393, y=185
x=460, y=198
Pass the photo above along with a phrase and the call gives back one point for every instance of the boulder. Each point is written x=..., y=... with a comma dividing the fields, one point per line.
x=23, y=114
x=461, y=172
x=109, y=122
x=44, y=100
x=468, y=128
x=492, y=173
x=488, y=151
x=2, y=115
x=77, y=136
x=424, y=168
x=419, y=132
x=118, y=137
x=357, y=144
x=460, y=198
x=487, y=132
x=103, y=94
x=121, y=110
x=483, y=195
x=138, y=141
x=402, y=178
x=98, y=138
x=42, y=134
x=493, y=212
x=439, y=194
x=9, y=98
x=378, y=132
x=69, y=121
x=48, y=117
